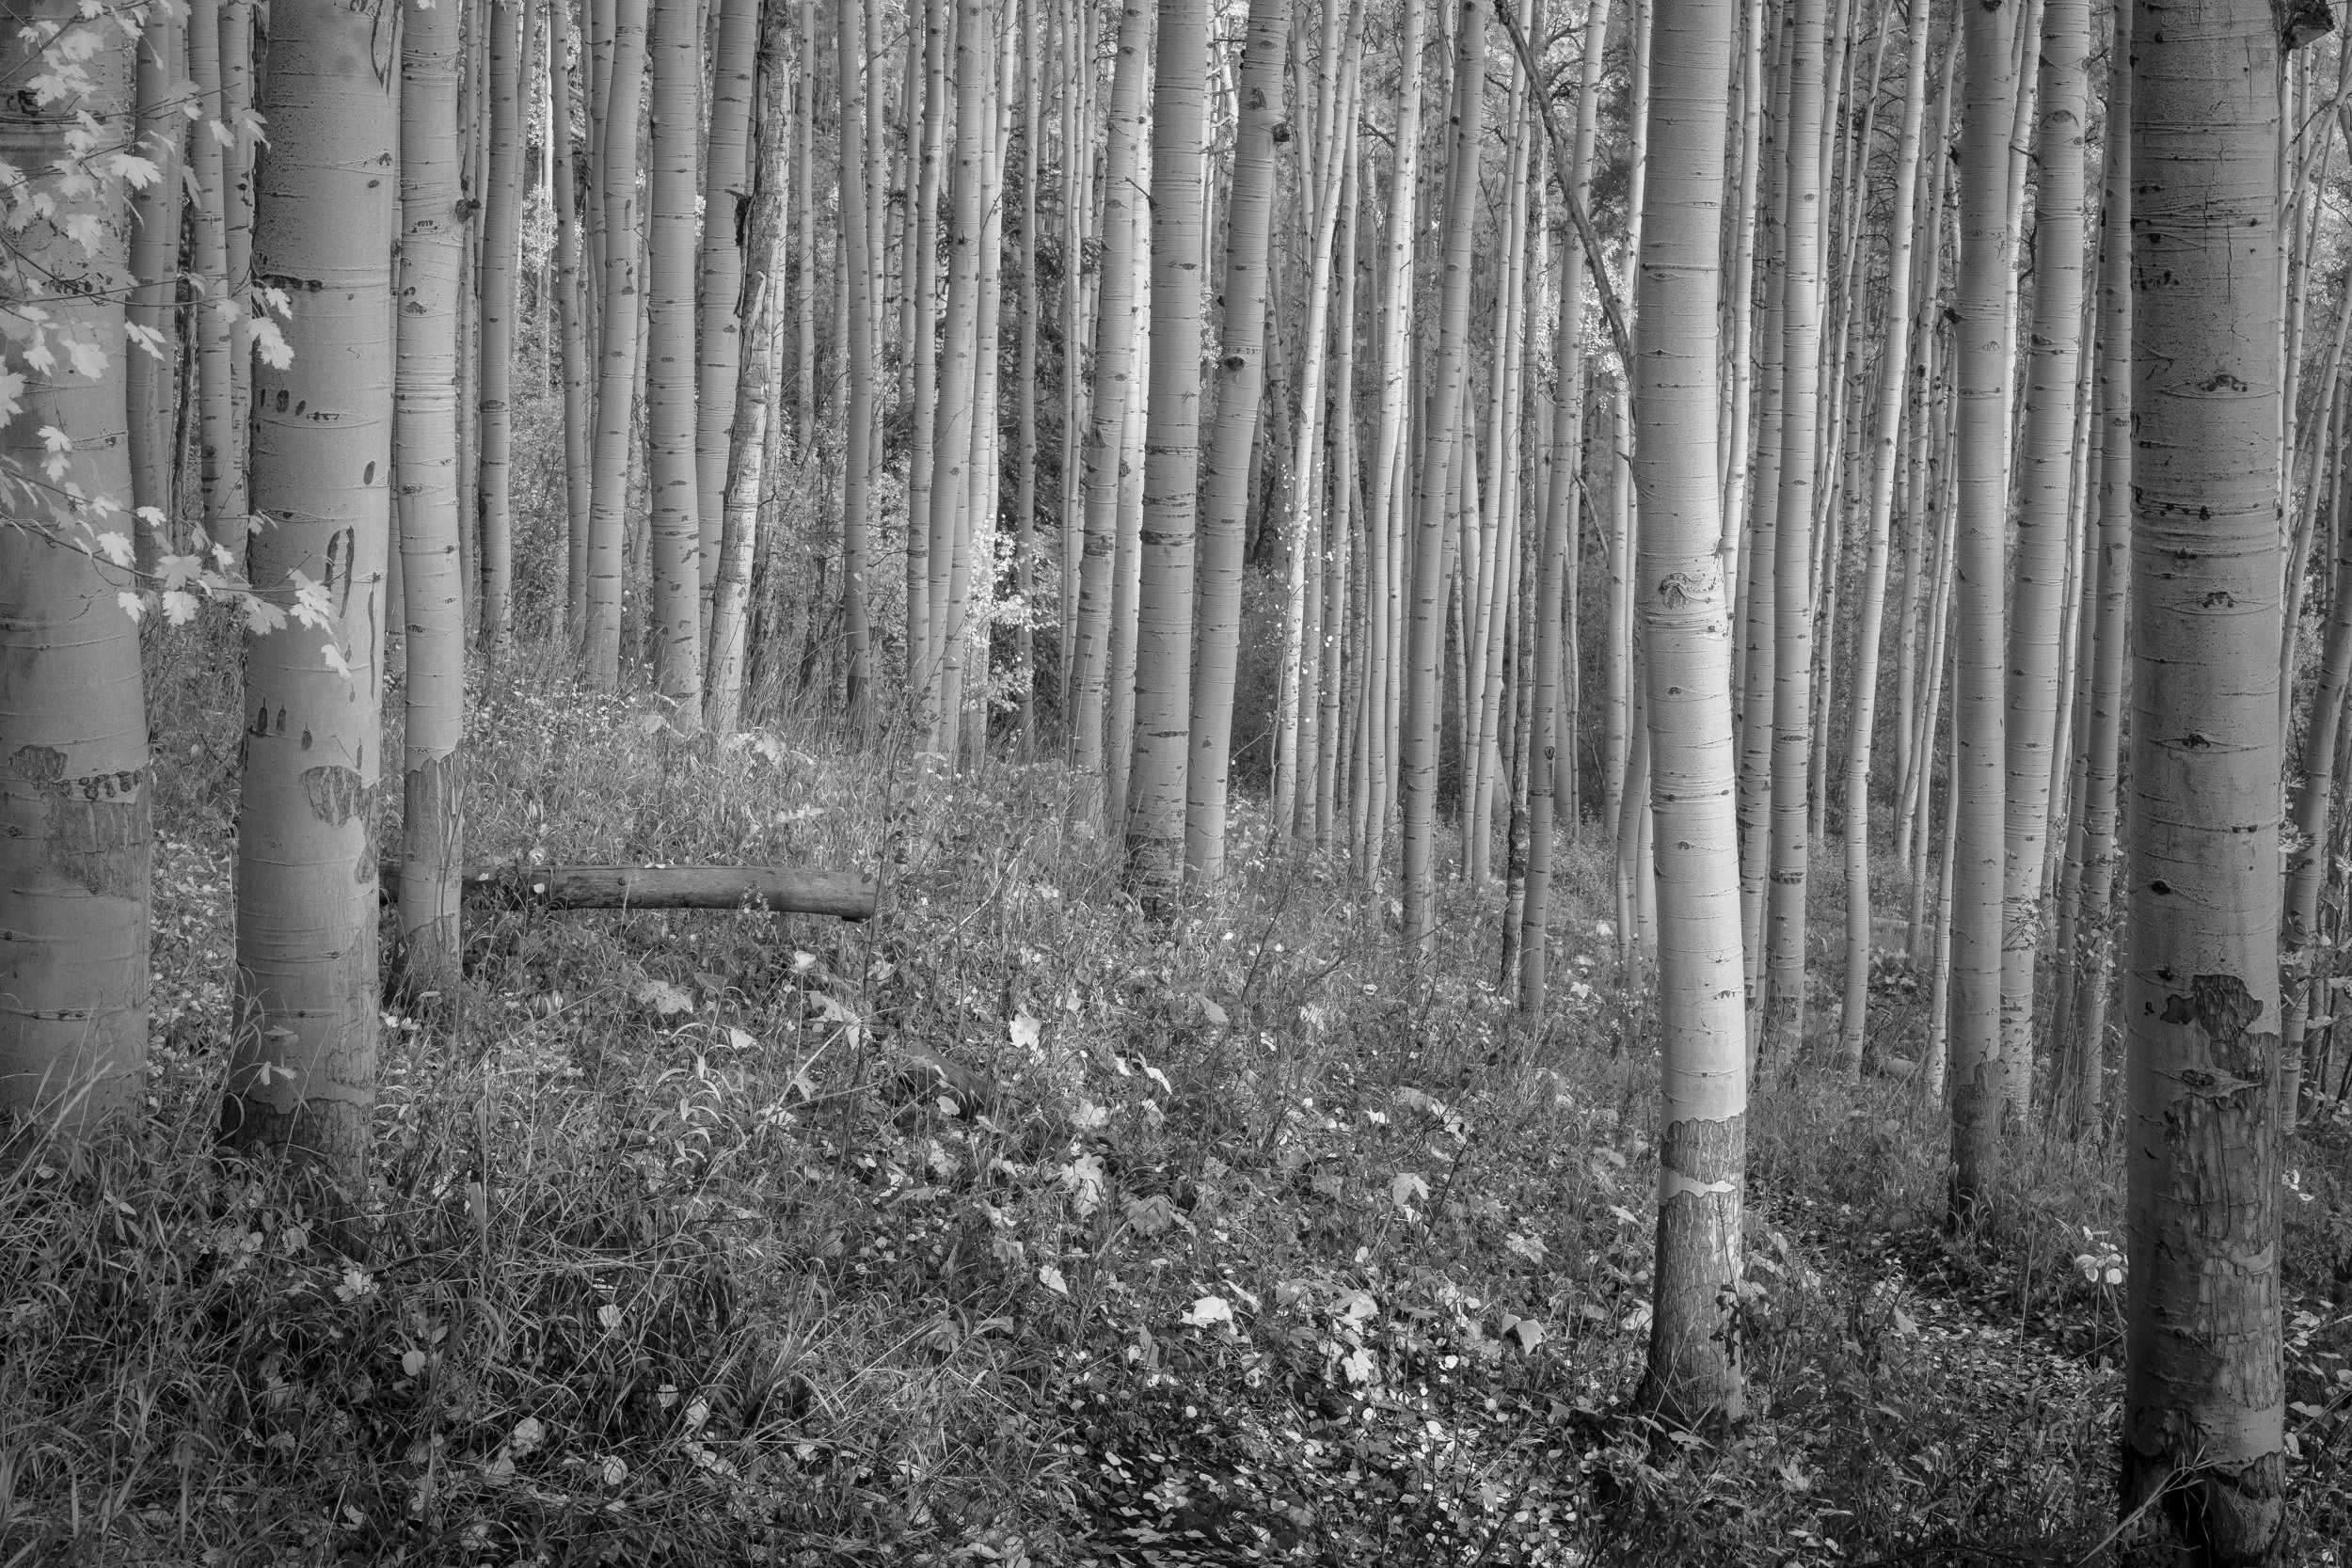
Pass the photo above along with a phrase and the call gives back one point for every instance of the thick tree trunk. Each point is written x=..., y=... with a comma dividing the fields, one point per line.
x=2203, y=1403
x=74, y=814
x=1685, y=608
x=302, y=1075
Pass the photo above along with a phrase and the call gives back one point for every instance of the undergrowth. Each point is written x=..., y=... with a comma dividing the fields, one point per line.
x=1012, y=1227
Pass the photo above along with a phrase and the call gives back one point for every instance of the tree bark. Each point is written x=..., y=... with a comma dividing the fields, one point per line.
x=2203, y=1403
x=302, y=1073
x=76, y=830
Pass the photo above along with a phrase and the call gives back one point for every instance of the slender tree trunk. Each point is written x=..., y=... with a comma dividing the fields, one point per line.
x=1113, y=389
x=1441, y=433
x=2203, y=1403
x=208, y=266
x=501, y=228
x=753, y=425
x=571, y=321
x=1024, y=396
x=2040, y=560
x=1554, y=743
x=670, y=368
x=1980, y=308
x=433, y=235
x=302, y=1074
x=1241, y=386
x=236, y=83
x=1154, y=807
x=616, y=375
x=75, y=830
x=1390, y=445
x=1887, y=449
x=719, y=341
x=857, y=503
x=1792, y=608
x=923, y=283
x=153, y=354
x=1303, y=530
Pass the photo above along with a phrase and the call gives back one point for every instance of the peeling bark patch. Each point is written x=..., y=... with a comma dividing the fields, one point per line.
x=2222, y=1006
x=39, y=764
x=101, y=846
x=335, y=794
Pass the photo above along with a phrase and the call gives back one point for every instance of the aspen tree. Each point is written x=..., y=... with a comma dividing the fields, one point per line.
x=1694, y=1371
x=1981, y=306
x=572, y=322
x=1386, y=504
x=1554, y=646
x=673, y=604
x=804, y=234
x=1917, y=500
x=1419, y=740
x=2040, y=561
x=1025, y=394
x=1791, y=582
x=1154, y=807
x=1739, y=293
x=2203, y=1403
x=616, y=370
x=1077, y=160
x=1241, y=385
x=302, y=1074
x=1752, y=664
x=1341, y=516
x=972, y=578
x=753, y=423
x=1111, y=392
x=863, y=354
x=75, y=830
x=953, y=480
x=2313, y=801
x=1340, y=38
x=720, y=336
x=236, y=113
x=150, y=369
x=1497, y=523
x=1119, y=716
x=922, y=284
x=501, y=228
x=433, y=232
x=218, y=444
x=1885, y=446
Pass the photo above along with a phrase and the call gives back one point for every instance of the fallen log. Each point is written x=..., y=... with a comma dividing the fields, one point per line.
x=779, y=889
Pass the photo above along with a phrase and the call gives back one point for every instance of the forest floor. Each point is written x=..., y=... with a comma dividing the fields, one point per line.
x=1010, y=1227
